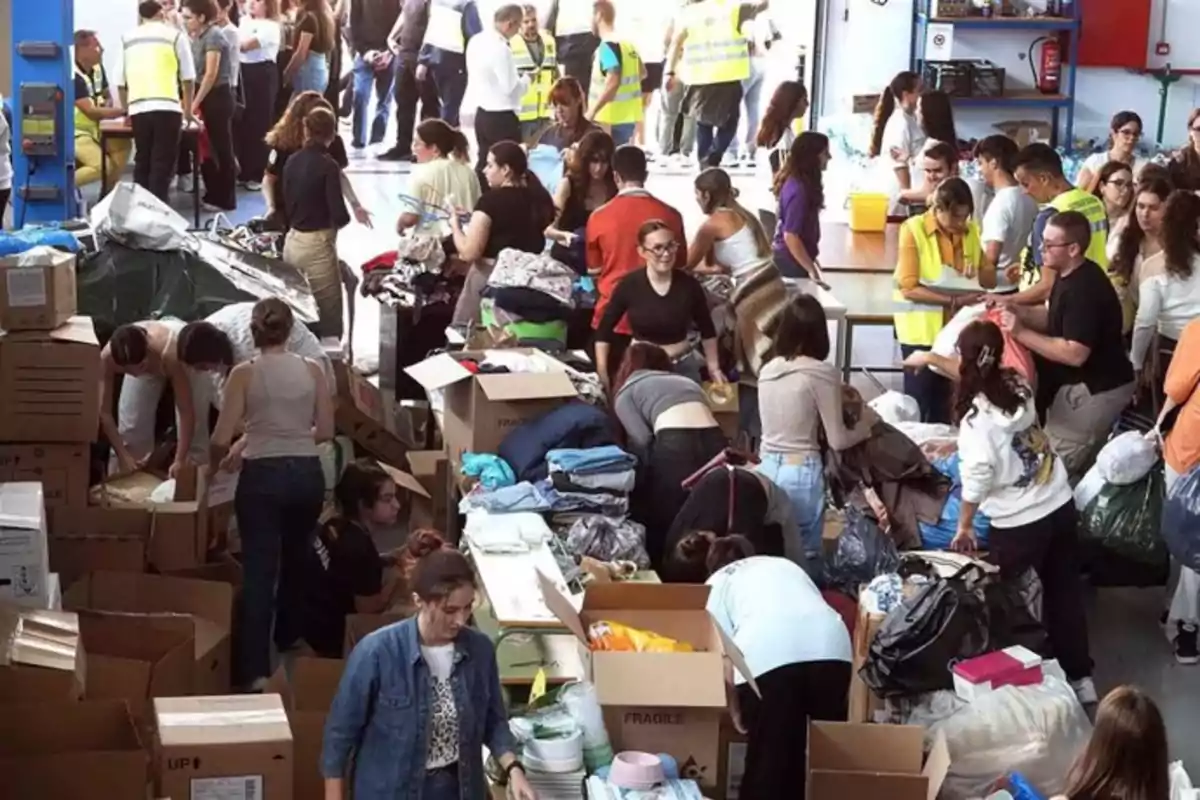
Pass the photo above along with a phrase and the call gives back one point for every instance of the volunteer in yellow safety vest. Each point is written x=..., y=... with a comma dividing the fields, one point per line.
x=1040, y=173
x=93, y=104
x=715, y=60
x=571, y=21
x=536, y=54
x=615, y=95
x=937, y=271
x=155, y=72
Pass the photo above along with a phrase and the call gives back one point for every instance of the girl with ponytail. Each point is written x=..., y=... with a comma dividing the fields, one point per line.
x=1011, y=473
x=795, y=647
x=897, y=138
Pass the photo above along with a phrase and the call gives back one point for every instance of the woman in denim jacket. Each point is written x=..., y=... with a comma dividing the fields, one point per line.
x=419, y=699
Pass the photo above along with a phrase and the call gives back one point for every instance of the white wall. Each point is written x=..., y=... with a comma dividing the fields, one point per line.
x=864, y=51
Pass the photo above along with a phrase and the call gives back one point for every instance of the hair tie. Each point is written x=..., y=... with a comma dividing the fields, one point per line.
x=986, y=357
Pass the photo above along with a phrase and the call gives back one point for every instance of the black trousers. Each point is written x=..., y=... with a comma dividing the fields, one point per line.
x=674, y=455
x=156, y=136
x=220, y=168
x=777, y=751
x=492, y=127
x=1050, y=546
x=409, y=93
x=450, y=82
x=931, y=391
x=4, y=195
x=260, y=83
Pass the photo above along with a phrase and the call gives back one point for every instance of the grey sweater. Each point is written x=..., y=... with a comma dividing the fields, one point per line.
x=796, y=399
x=647, y=394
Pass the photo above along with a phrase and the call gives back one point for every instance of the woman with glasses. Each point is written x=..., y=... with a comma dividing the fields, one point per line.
x=1114, y=187
x=1184, y=168
x=589, y=184
x=1126, y=132
x=662, y=306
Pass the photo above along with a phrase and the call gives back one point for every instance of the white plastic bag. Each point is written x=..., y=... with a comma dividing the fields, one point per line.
x=1181, y=783
x=134, y=217
x=1037, y=731
x=1089, y=488
x=946, y=342
x=1127, y=458
x=895, y=408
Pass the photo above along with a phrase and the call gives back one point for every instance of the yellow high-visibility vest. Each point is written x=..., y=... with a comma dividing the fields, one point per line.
x=151, y=66
x=535, y=103
x=918, y=324
x=85, y=125
x=1097, y=250
x=626, y=106
x=715, y=51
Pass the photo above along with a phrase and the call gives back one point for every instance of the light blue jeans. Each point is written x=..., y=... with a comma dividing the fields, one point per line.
x=312, y=75
x=751, y=95
x=623, y=133
x=804, y=484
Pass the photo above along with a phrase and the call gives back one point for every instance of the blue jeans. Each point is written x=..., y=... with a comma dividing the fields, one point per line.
x=787, y=265
x=712, y=142
x=623, y=133
x=451, y=81
x=441, y=784
x=365, y=75
x=751, y=91
x=313, y=74
x=278, y=503
x=804, y=484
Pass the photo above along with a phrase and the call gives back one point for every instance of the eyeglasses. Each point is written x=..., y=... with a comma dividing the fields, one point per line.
x=1122, y=183
x=663, y=249
x=1052, y=245
x=1130, y=133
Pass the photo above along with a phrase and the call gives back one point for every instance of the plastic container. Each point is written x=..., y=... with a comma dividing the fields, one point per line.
x=868, y=212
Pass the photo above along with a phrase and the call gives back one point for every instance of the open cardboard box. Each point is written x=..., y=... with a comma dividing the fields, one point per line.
x=657, y=702
x=851, y=761
x=367, y=414
x=480, y=410
x=67, y=750
x=41, y=656
x=432, y=469
x=210, y=604
x=62, y=469
x=50, y=384
x=307, y=697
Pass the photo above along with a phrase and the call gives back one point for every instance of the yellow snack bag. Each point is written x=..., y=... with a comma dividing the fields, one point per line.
x=615, y=637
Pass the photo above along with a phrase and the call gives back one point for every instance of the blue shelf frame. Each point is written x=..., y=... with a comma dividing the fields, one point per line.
x=1061, y=106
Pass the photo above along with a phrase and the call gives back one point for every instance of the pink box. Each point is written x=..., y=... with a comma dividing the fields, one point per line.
x=1013, y=666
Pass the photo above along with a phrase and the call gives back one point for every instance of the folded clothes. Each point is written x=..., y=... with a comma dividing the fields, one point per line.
x=610, y=505
x=528, y=304
x=591, y=460
x=523, y=496
x=565, y=482
x=609, y=539
x=492, y=470
x=506, y=533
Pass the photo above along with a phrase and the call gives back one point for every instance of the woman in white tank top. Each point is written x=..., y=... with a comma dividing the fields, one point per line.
x=283, y=403
x=731, y=241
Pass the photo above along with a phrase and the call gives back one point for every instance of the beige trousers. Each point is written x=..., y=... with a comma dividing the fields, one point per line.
x=314, y=253
x=466, y=310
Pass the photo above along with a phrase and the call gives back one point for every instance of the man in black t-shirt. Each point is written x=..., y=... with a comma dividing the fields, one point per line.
x=1085, y=379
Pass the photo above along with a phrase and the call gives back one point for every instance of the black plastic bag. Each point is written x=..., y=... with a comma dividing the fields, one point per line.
x=920, y=641
x=1014, y=613
x=863, y=552
x=1119, y=534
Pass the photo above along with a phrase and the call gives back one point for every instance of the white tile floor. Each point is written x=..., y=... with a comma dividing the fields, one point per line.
x=1127, y=643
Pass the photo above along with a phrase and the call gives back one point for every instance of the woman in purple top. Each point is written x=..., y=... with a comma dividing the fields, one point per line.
x=801, y=193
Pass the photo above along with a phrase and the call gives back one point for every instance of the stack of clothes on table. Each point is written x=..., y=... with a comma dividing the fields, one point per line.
x=530, y=296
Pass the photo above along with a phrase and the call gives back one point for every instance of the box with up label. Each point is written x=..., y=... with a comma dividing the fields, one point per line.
x=24, y=562
x=37, y=289
x=226, y=747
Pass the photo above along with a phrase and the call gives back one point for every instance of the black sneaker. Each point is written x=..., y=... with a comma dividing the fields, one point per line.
x=396, y=154
x=1185, y=644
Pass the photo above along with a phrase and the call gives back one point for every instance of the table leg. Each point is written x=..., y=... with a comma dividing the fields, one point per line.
x=848, y=354
x=103, y=163
x=196, y=183
x=843, y=356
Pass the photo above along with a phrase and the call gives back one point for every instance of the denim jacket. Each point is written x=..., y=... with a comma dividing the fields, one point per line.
x=378, y=727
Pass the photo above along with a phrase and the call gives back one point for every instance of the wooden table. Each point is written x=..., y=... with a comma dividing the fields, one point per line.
x=869, y=303
x=843, y=250
x=123, y=129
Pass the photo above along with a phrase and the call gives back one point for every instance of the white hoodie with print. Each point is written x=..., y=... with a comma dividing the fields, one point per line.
x=1008, y=466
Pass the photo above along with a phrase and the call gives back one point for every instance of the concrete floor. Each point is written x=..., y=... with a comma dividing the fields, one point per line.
x=1127, y=644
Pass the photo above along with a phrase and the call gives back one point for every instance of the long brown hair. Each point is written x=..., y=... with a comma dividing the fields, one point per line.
x=903, y=82
x=288, y=133
x=512, y=155
x=780, y=112
x=1180, y=244
x=594, y=146
x=803, y=163
x=323, y=41
x=640, y=355
x=1132, y=235
x=715, y=184
x=981, y=372
x=1127, y=756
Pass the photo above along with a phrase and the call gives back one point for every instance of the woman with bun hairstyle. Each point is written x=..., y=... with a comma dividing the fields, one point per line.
x=796, y=648
x=420, y=699
x=1127, y=757
x=442, y=175
x=1011, y=473
x=513, y=212
x=788, y=104
x=344, y=572
x=731, y=241
x=283, y=403
x=897, y=137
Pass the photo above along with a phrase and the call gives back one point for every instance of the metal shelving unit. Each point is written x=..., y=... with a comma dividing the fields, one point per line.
x=1060, y=105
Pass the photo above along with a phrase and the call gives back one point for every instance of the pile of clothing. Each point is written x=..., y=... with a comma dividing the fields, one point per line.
x=530, y=296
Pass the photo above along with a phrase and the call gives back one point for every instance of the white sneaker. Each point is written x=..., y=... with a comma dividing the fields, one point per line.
x=681, y=161
x=253, y=186
x=1085, y=691
x=185, y=183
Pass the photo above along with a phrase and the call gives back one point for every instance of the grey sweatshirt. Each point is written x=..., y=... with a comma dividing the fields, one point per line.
x=644, y=396
x=796, y=398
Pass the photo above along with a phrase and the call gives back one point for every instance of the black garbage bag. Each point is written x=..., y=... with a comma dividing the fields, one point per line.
x=863, y=551
x=1119, y=534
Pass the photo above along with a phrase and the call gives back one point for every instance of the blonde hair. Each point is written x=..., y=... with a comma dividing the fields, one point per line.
x=288, y=133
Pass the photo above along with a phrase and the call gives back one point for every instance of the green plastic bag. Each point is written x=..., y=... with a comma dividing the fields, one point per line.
x=1121, y=524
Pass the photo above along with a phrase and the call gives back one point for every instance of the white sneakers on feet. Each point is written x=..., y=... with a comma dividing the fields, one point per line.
x=1085, y=691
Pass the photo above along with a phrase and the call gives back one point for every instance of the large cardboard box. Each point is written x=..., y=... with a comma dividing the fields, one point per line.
x=432, y=469
x=41, y=656
x=50, y=384
x=71, y=750
x=368, y=415
x=37, y=289
x=236, y=746
x=62, y=469
x=479, y=410
x=307, y=697
x=134, y=657
x=863, y=703
x=24, y=562
x=874, y=762
x=87, y=538
x=210, y=604
x=658, y=702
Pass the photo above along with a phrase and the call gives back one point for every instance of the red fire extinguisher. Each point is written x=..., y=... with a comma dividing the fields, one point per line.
x=1048, y=75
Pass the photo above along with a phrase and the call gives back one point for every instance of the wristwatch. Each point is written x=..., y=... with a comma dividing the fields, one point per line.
x=514, y=765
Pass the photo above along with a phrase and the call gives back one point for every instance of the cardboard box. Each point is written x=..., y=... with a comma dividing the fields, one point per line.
x=62, y=469
x=366, y=414
x=37, y=289
x=223, y=746
x=480, y=410
x=24, y=562
x=723, y=400
x=55, y=592
x=359, y=625
x=87, y=538
x=307, y=698
x=1025, y=131
x=873, y=762
x=134, y=657
x=657, y=702
x=210, y=604
x=41, y=656
x=432, y=469
x=71, y=750
x=863, y=704
x=50, y=384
